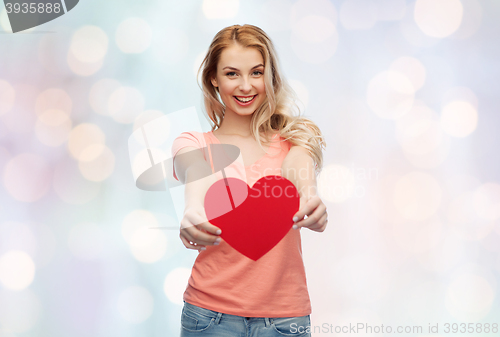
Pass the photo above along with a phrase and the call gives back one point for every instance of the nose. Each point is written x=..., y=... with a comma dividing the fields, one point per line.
x=246, y=84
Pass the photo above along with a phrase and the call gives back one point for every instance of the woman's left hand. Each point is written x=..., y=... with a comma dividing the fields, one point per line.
x=315, y=210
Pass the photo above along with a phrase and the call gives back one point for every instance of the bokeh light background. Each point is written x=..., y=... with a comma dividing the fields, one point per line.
x=405, y=92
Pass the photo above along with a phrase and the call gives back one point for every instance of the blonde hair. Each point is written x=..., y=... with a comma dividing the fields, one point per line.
x=275, y=112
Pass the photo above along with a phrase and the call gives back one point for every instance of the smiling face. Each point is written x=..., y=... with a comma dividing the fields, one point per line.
x=240, y=75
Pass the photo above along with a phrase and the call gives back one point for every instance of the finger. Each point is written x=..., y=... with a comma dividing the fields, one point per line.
x=312, y=218
x=202, y=222
x=307, y=208
x=210, y=228
x=195, y=235
x=189, y=245
x=320, y=225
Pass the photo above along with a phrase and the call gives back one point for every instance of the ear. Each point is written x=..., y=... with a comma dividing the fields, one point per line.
x=214, y=82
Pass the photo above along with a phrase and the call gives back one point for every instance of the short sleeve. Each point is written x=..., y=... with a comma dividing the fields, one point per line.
x=187, y=139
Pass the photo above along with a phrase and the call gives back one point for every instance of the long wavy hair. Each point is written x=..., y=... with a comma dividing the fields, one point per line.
x=276, y=111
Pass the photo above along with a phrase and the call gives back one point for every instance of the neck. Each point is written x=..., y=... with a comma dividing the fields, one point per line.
x=234, y=124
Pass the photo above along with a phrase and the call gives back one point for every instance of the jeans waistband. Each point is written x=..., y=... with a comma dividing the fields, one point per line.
x=219, y=315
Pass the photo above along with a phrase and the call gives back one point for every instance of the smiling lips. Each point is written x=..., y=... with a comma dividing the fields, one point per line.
x=244, y=100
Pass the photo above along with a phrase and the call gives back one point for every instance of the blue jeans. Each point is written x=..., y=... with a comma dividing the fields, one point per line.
x=196, y=321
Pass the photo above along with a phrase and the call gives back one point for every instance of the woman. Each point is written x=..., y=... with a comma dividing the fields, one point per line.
x=249, y=103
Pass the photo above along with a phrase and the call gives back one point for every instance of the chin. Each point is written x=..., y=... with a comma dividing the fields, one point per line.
x=245, y=113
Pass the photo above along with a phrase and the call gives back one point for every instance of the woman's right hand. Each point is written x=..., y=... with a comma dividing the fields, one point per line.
x=196, y=232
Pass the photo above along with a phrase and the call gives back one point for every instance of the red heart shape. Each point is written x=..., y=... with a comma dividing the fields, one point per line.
x=252, y=220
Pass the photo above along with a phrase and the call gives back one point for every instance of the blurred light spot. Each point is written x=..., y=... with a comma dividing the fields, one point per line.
x=314, y=39
x=83, y=68
x=91, y=152
x=390, y=10
x=53, y=127
x=96, y=162
x=438, y=18
x=27, y=177
x=471, y=21
x=86, y=241
x=469, y=296
x=125, y=104
x=100, y=93
x=170, y=45
x=175, y=284
x=421, y=137
x=459, y=118
x=417, y=196
x=35, y=239
x=148, y=245
x=7, y=96
x=89, y=44
x=302, y=93
x=53, y=99
x=358, y=14
x=463, y=94
x=83, y=136
x=463, y=219
x=390, y=94
x=53, y=117
x=336, y=183
x=412, y=68
x=413, y=34
x=352, y=274
x=136, y=220
x=19, y=312
x=220, y=9
x=133, y=35
x=419, y=131
x=135, y=304
x=17, y=270
x=487, y=201
x=71, y=187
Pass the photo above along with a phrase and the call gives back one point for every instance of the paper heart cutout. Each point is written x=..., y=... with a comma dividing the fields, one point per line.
x=252, y=220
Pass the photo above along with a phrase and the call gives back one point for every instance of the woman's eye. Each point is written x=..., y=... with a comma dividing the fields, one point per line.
x=232, y=73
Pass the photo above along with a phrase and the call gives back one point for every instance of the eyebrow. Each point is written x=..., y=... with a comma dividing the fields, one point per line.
x=259, y=65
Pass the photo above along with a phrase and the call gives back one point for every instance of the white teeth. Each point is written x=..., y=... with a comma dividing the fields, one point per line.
x=244, y=100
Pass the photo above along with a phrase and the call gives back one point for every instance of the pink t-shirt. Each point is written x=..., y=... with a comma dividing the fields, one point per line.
x=224, y=280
